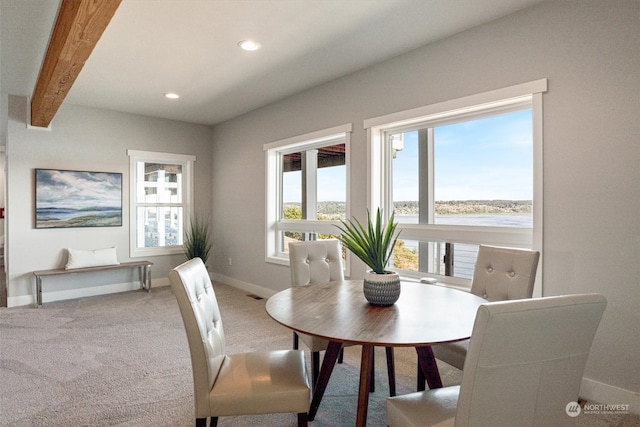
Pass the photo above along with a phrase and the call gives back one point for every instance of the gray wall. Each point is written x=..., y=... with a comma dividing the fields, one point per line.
x=86, y=139
x=589, y=52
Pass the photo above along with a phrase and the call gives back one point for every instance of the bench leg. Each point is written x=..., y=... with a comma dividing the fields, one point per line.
x=38, y=292
x=146, y=282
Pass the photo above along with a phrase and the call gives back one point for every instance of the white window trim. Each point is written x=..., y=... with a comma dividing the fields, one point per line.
x=273, y=188
x=379, y=187
x=187, y=162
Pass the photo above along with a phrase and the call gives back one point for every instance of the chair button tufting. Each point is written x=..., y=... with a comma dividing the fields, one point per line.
x=485, y=296
x=512, y=274
x=490, y=269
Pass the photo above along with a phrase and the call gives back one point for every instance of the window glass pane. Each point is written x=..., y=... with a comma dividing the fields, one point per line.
x=484, y=171
x=477, y=172
x=332, y=188
x=161, y=226
x=160, y=183
x=324, y=189
x=405, y=177
x=291, y=186
x=439, y=258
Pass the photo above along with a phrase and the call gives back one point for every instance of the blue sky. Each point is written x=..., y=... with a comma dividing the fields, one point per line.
x=475, y=160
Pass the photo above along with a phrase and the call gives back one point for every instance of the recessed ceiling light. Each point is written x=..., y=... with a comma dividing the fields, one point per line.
x=249, y=45
x=171, y=95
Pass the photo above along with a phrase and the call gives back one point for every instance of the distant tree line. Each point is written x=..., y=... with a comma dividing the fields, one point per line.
x=333, y=210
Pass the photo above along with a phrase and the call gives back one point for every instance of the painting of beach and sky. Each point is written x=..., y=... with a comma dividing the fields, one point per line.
x=67, y=199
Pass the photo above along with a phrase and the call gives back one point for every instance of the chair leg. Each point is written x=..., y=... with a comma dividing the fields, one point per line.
x=202, y=422
x=315, y=368
x=303, y=419
x=295, y=341
x=391, y=371
x=341, y=356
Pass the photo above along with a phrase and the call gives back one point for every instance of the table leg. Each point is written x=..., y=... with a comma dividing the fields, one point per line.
x=420, y=376
x=328, y=362
x=429, y=368
x=391, y=371
x=366, y=366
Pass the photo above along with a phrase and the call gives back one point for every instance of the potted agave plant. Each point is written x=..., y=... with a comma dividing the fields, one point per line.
x=374, y=244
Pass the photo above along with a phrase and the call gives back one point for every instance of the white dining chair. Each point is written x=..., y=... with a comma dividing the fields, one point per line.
x=500, y=274
x=524, y=366
x=318, y=261
x=260, y=382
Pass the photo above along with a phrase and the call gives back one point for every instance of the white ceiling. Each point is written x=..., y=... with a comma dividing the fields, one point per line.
x=190, y=47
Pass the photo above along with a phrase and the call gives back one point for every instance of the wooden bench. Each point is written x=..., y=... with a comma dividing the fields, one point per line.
x=144, y=268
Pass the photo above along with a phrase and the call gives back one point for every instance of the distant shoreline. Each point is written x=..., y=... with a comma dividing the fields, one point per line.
x=447, y=207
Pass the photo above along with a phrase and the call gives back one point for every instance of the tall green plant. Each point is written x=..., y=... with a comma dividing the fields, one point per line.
x=197, y=242
x=374, y=243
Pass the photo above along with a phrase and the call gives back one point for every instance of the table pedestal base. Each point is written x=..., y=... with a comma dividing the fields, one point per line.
x=426, y=360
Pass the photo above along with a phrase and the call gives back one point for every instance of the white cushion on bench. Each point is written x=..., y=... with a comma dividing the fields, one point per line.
x=92, y=258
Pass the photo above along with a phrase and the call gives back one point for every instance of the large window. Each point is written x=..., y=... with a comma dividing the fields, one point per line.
x=161, y=197
x=306, y=188
x=460, y=174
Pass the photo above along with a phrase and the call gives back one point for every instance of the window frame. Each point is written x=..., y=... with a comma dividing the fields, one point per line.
x=187, y=163
x=274, y=225
x=379, y=185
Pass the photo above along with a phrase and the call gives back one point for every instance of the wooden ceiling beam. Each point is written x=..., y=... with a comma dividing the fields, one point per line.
x=78, y=28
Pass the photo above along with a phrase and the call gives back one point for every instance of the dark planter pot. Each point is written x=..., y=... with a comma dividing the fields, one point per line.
x=381, y=289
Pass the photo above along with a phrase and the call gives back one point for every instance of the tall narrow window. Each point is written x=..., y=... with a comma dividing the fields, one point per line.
x=161, y=197
x=306, y=188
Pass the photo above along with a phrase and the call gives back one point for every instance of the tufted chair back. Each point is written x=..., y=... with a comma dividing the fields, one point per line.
x=524, y=366
x=504, y=273
x=315, y=261
x=201, y=317
x=526, y=360
x=500, y=274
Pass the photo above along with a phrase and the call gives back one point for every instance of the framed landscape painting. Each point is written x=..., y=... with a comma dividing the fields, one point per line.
x=66, y=199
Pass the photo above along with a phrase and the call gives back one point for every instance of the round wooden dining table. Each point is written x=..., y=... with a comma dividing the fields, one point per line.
x=338, y=311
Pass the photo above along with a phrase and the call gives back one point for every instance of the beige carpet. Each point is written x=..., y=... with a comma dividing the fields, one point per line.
x=123, y=360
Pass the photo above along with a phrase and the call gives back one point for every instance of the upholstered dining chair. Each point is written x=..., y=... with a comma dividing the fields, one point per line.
x=499, y=274
x=524, y=366
x=237, y=384
x=318, y=261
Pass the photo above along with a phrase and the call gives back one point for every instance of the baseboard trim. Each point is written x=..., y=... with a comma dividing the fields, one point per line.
x=159, y=282
x=245, y=286
x=595, y=391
